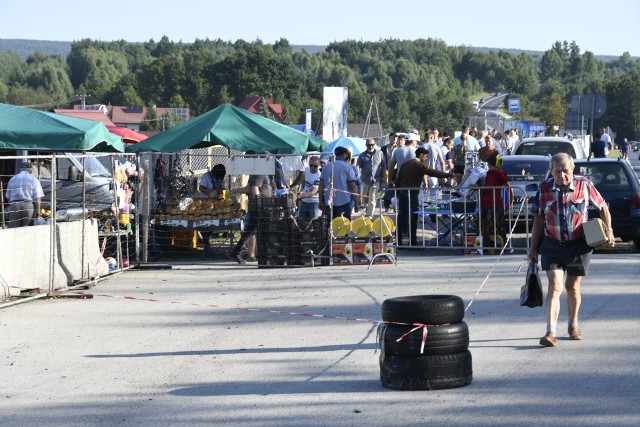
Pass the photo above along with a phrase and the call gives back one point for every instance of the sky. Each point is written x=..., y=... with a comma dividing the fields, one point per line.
x=601, y=27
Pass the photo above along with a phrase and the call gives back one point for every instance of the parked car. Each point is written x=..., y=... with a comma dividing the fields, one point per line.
x=72, y=169
x=618, y=183
x=548, y=146
x=525, y=173
x=634, y=145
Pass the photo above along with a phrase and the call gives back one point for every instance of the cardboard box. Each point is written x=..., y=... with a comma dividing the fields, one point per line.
x=595, y=232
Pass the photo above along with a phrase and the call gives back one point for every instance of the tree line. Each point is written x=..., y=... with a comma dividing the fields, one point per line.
x=418, y=83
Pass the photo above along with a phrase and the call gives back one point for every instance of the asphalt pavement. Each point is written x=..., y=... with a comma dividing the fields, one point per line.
x=216, y=343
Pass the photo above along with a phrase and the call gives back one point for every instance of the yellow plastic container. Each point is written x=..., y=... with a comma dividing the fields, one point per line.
x=124, y=219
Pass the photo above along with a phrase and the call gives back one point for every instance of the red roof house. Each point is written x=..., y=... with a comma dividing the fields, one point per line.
x=96, y=115
x=253, y=104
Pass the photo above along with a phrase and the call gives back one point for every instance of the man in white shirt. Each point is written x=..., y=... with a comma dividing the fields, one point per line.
x=25, y=193
x=403, y=154
x=435, y=160
x=309, y=196
x=472, y=143
x=607, y=141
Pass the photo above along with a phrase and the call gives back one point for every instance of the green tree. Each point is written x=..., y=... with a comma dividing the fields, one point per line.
x=49, y=74
x=124, y=92
x=11, y=68
x=18, y=95
x=623, y=105
x=553, y=63
x=552, y=111
x=151, y=122
x=160, y=80
x=95, y=70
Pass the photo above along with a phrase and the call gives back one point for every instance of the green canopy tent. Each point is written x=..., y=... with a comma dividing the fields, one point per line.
x=27, y=129
x=234, y=128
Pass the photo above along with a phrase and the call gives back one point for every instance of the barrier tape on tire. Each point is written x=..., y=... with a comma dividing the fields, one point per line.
x=417, y=326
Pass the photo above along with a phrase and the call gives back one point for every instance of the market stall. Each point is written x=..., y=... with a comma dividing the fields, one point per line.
x=48, y=141
x=178, y=216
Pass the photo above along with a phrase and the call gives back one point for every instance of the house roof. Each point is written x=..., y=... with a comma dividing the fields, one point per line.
x=96, y=115
x=124, y=115
x=252, y=105
x=135, y=114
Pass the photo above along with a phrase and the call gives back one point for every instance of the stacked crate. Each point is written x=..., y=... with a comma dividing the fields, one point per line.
x=275, y=227
x=310, y=240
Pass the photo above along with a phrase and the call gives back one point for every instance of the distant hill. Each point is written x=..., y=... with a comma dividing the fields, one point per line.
x=24, y=48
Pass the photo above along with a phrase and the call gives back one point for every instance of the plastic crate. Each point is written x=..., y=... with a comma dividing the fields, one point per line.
x=270, y=203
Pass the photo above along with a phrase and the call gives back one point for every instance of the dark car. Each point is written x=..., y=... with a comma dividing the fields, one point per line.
x=618, y=183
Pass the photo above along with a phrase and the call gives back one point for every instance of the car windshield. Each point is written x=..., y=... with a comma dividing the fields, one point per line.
x=546, y=148
x=93, y=165
x=526, y=170
x=605, y=176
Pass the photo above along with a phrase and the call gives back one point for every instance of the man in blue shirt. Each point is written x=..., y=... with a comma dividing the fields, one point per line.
x=337, y=187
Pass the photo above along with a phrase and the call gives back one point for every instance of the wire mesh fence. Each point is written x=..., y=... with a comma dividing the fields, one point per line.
x=165, y=207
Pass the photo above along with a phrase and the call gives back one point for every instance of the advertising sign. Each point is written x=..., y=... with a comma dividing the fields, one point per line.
x=334, y=114
x=526, y=128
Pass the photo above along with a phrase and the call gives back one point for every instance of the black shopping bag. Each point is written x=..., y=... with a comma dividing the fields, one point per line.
x=531, y=291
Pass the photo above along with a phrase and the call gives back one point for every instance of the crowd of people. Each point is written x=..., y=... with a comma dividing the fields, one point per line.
x=432, y=162
x=391, y=177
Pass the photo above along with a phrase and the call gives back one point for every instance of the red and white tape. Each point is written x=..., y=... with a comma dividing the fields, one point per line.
x=417, y=326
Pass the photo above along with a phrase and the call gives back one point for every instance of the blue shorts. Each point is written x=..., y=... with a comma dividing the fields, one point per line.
x=573, y=257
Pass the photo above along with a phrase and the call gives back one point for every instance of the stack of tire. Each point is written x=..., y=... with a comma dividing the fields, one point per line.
x=445, y=361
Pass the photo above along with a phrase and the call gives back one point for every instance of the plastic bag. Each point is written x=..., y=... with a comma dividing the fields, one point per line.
x=531, y=291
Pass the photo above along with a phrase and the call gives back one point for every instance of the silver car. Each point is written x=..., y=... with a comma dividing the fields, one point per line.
x=525, y=173
x=548, y=146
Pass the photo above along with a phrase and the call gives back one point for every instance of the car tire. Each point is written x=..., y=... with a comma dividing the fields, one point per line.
x=434, y=372
x=424, y=309
x=636, y=243
x=444, y=339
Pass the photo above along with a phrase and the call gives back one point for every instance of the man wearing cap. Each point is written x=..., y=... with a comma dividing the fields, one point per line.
x=23, y=191
x=373, y=173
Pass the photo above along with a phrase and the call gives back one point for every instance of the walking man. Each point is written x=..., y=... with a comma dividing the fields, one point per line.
x=373, y=173
x=560, y=209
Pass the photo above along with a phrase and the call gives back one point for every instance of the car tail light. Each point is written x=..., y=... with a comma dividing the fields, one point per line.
x=634, y=208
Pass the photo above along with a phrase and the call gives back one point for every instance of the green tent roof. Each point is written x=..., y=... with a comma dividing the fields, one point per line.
x=27, y=129
x=234, y=128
